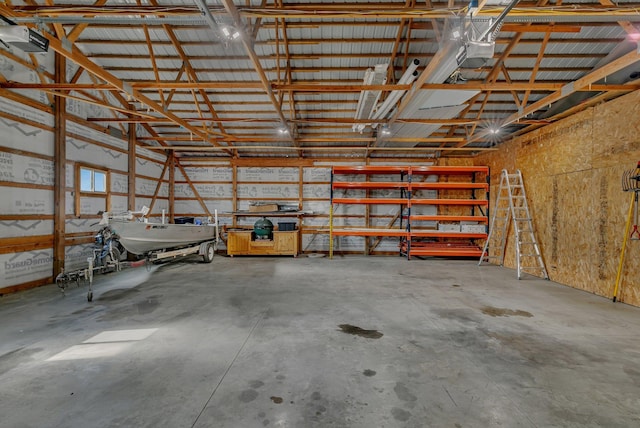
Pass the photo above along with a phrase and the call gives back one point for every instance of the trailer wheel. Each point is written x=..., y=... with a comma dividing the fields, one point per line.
x=209, y=253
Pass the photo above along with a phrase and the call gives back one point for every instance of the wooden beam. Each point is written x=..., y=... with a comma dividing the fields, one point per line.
x=172, y=186
x=193, y=188
x=320, y=148
x=60, y=165
x=159, y=183
x=568, y=89
x=235, y=15
x=25, y=243
x=319, y=88
x=131, y=170
x=270, y=162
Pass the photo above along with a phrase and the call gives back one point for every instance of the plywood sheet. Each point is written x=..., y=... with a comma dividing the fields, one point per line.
x=572, y=172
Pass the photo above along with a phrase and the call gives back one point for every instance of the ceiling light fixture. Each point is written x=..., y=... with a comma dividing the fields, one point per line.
x=230, y=33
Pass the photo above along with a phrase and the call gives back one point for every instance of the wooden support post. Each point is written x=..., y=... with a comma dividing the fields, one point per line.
x=131, y=194
x=234, y=184
x=60, y=162
x=172, y=187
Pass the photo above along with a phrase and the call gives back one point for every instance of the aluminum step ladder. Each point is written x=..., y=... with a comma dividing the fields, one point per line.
x=511, y=207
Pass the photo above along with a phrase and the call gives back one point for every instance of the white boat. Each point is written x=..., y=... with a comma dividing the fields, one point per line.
x=142, y=238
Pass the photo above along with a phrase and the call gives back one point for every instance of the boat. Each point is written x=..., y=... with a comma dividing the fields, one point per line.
x=142, y=238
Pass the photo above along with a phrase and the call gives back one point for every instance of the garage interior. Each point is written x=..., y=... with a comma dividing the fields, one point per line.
x=351, y=156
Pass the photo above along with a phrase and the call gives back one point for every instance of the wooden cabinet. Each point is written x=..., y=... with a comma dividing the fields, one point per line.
x=238, y=242
x=284, y=243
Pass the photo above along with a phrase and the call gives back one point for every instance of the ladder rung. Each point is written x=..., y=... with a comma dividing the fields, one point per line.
x=523, y=219
x=531, y=267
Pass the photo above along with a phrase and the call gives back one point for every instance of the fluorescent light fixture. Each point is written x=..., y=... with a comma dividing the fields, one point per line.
x=368, y=99
x=392, y=98
x=283, y=130
x=230, y=33
x=385, y=130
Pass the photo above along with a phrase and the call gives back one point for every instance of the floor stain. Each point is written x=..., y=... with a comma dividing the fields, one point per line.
x=148, y=305
x=357, y=331
x=369, y=373
x=248, y=395
x=400, y=414
x=503, y=312
x=117, y=294
x=403, y=392
x=277, y=400
x=281, y=377
x=316, y=395
x=265, y=422
x=255, y=384
x=455, y=285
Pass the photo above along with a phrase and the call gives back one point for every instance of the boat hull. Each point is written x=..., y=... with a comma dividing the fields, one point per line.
x=142, y=238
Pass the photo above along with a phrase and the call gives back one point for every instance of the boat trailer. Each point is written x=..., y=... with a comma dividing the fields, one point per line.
x=107, y=252
x=84, y=276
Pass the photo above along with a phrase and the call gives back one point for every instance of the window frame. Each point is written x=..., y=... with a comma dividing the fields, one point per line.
x=79, y=192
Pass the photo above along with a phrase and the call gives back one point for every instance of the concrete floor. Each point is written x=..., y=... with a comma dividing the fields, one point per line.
x=256, y=342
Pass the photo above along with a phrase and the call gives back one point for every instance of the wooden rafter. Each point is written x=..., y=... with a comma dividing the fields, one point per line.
x=534, y=71
x=235, y=15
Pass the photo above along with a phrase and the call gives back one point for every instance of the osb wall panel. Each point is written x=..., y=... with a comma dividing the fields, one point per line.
x=572, y=172
x=455, y=194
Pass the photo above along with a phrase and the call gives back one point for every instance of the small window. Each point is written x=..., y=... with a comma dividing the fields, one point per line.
x=92, y=180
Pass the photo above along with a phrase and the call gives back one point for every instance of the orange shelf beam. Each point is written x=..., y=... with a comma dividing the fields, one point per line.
x=370, y=185
x=432, y=170
x=452, y=252
x=483, y=202
x=370, y=169
x=449, y=218
x=438, y=234
x=382, y=201
x=448, y=186
x=370, y=232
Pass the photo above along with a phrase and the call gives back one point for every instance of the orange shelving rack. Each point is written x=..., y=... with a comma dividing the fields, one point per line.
x=462, y=205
